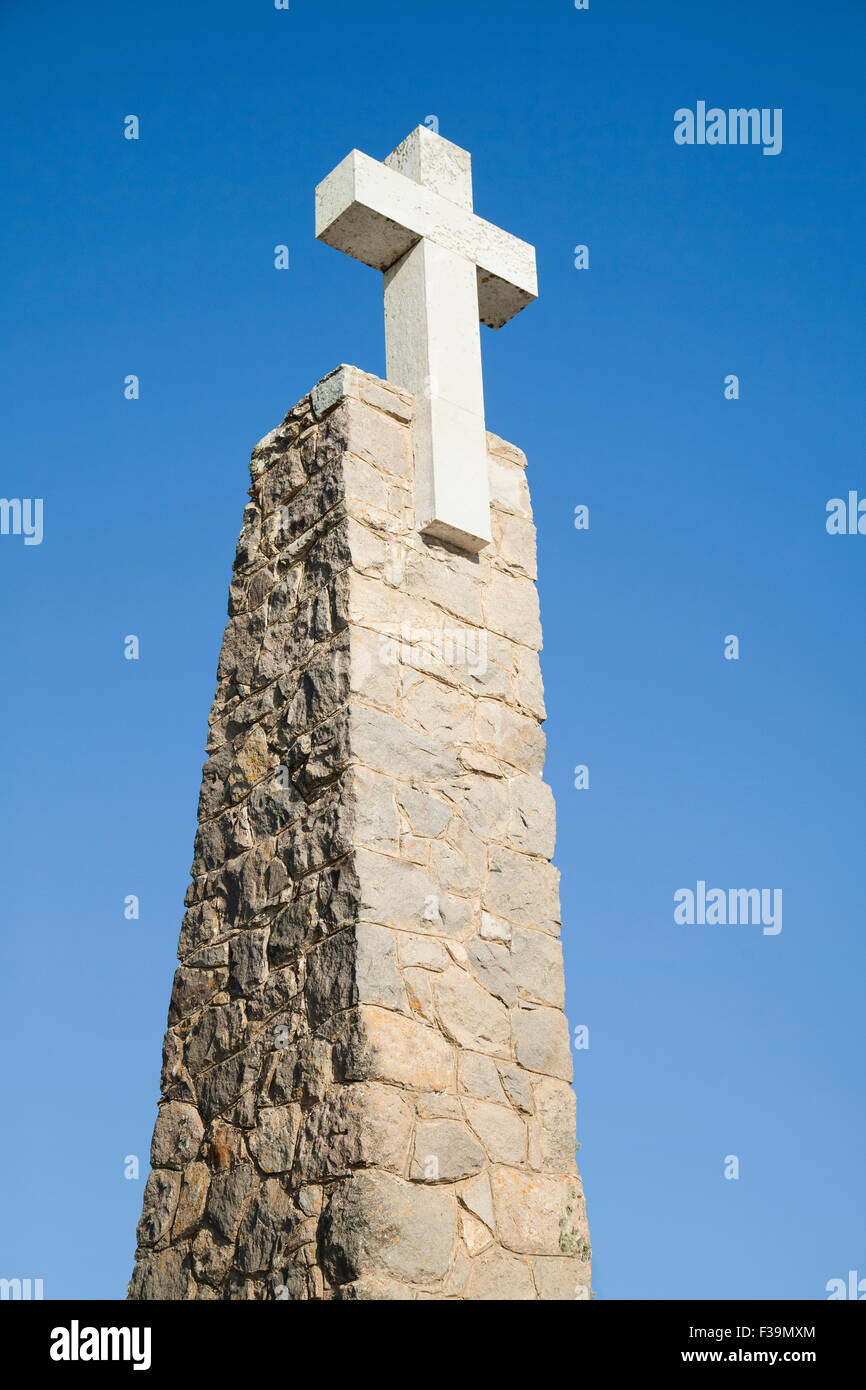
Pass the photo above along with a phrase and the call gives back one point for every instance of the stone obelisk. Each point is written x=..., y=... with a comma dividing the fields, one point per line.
x=366, y=1074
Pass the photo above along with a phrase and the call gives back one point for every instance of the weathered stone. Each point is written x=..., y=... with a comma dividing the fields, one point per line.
x=310, y=1200
x=375, y=1221
x=515, y=542
x=177, y=1136
x=193, y=1195
x=226, y=1146
x=211, y=1257
x=253, y=882
x=265, y=1233
x=320, y=836
x=209, y=957
x=475, y=1235
x=375, y=437
x=511, y=736
x=361, y=1126
x=387, y=745
x=484, y=806
x=393, y=894
x=506, y=477
x=498, y=1276
x=161, y=1193
x=556, y=1107
x=541, y=1041
x=491, y=964
x=228, y=1081
x=445, y=1151
x=356, y=966
x=376, y=972
x=494, y=928
x=162, y=1276
x=229, y=1193
x=535, y=1214
x=311, y=1072
x=280, y=990
x=537, y=967
x=296, y=926
x=528, y=685
x=455, y=1282
x=415, y=850
x=241, y=1290
x=532, y=826
x=250, y=763
x=421, y=951
x=373, y=1288
x=452, y=870
x=427, y=815
x=470, y=1016
x=444, y=714
x=175, y=1082
x=217, y=1032
x=272, y=1142
x=475, y=1196
x=375, y=810
x=502, y=1133
x=518, y=1088
x=385, y=397
x=368, y=674
x=511, y=608
x=382, y=1046
x=562, y=1279
x=478, y=1077
x=472, y=849
x=249, y=960
x=419, y=993
x=437, y=1105
x=331, y=983
x=192, y=988
x=523, y=889
x=200, y=926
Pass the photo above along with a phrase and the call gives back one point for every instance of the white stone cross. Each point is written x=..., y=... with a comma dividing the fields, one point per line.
x=445, y=268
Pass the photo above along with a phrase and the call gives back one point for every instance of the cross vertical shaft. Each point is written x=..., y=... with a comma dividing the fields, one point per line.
x=442, y=366
x=445, y=269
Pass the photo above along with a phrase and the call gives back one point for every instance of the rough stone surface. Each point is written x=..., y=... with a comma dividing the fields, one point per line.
x=365, y=1080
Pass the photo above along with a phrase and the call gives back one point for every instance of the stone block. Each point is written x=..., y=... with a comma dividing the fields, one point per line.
x=375, y=1222
x=445, y=1151
x=500, y=1277
x=469, y=1016
x=360, y=1126
x=541, y=1041
x=532, y=1211
x=380, y=1046
x=536, y=962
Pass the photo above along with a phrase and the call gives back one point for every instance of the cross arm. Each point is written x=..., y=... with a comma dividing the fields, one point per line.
x=376, y=214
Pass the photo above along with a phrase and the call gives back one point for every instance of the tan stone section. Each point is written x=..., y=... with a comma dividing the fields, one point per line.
x=366, y=1074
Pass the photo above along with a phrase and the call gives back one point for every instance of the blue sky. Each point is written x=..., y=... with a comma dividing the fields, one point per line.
x=155, y=257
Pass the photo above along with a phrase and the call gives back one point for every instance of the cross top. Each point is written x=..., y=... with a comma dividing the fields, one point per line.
x=445, y=269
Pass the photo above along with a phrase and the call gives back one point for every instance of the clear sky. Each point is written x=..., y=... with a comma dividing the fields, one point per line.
x=707, y=518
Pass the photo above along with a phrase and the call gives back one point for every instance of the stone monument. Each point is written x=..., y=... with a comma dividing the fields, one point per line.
x=366, y=1074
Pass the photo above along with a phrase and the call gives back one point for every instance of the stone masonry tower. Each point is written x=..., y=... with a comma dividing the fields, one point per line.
x=366, y=1074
